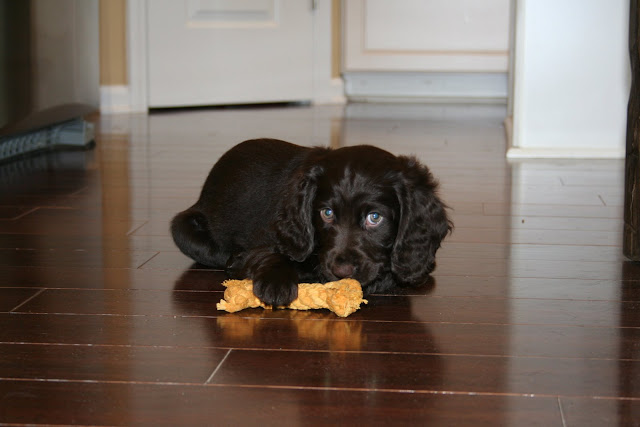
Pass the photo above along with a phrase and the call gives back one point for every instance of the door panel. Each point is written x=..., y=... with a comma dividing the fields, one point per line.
x=207, y=52
x=215, y=13
x=427, y=36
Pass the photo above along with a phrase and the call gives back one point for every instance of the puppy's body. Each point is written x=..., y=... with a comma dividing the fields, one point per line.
x=279, y=214
x=238, y=201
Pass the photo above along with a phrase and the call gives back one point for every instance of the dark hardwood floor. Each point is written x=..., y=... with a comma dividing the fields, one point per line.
x=532, y=316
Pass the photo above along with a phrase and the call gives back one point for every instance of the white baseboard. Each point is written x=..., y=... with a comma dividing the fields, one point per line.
x=330, y=94
x=115, y=99
x=514, y=153
x=564, y=153
x=426, y=87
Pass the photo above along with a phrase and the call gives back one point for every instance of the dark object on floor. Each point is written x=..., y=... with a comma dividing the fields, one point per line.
x=631, y=242
x=70, y=135
x=281, y=214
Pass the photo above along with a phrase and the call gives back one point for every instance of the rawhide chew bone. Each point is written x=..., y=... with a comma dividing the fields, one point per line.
x=342, y=297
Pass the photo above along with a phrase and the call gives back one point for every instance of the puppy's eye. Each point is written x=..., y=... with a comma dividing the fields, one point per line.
x=373, y=219
x=327, y=214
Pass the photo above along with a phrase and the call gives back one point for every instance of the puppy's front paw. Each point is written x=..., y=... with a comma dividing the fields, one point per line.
x=276, y=288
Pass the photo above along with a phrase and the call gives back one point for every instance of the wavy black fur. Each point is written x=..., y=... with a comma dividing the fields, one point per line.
x=259, y=216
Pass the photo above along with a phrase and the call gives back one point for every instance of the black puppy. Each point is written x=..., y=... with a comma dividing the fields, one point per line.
x=281, y=214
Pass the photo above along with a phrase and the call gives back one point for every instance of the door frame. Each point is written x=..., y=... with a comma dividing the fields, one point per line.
x=326, y=88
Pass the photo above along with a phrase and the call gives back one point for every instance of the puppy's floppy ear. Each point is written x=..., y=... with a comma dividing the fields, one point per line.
x=293, y=227
x=423, y=223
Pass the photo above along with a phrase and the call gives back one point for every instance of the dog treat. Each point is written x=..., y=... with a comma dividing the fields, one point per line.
x=342, y=297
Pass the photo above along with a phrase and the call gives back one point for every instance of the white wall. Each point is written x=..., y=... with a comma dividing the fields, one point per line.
x=572, y=78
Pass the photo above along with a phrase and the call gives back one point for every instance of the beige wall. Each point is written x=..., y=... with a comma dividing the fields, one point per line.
x=113, y=48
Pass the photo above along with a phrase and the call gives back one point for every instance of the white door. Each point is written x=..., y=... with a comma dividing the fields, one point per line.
x=208, y=52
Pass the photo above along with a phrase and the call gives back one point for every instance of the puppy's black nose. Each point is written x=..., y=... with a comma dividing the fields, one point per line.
x=343, y=270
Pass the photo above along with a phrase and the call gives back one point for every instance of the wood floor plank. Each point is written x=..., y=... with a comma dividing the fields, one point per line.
x=389, y=371
x=51, y=222
x=547, y=237
x=398, y=308
x=576, y=196
x=94, y=403
x=321, y=332
x=8, y=213
x=10, y=298
x=208, y=280
x=610, y=178
x=539, y=252
x=171, y=260
x=525, y=222
x=77, y=257
x=587, y=412
x=436, y=373
x=551, y=210
x=530, y=287
x=80, y=277
x=538, y=268
x=44, y=184
x=108, y=363
x=90, y=241
x=124, y=302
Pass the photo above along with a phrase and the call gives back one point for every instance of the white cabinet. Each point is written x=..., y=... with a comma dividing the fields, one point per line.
x=572, y=78
x=426, y=48
x=426, y=35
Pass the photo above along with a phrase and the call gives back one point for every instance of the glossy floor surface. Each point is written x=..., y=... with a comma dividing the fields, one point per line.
x=532, y=317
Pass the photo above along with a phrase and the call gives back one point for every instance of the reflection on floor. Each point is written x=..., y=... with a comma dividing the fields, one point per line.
x=532, y=316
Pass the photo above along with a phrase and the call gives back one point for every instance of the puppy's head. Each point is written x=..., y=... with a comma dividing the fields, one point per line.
x=356, y=214
x=366, y=214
